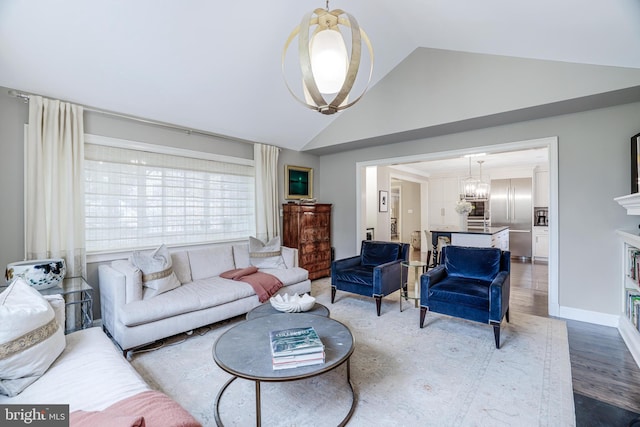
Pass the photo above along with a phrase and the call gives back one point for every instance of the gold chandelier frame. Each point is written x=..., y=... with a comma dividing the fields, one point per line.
x=325, y=19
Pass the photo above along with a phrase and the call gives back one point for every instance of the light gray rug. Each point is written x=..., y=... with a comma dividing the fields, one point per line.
x=447, y=374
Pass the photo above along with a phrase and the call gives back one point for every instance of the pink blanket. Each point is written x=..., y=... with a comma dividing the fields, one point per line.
x=149, y=408
x=263, y=284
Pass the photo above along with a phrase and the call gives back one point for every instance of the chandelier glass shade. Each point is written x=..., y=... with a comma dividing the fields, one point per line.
x=469, y=185
x=329, y=69
x=482, y=189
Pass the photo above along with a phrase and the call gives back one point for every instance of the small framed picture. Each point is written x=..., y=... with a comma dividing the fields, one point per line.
x=635, y=163
x=298, y=182
x=383, y=201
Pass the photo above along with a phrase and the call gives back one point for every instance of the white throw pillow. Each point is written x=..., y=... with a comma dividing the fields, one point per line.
x=157, y=272
x=31, y=338
x=267, y=255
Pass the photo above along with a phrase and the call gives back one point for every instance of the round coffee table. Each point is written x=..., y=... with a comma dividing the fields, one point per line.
x=235, y=352
x=266, y=309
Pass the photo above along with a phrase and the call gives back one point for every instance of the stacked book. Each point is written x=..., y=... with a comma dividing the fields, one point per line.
x=295, y=347
x=633, y=307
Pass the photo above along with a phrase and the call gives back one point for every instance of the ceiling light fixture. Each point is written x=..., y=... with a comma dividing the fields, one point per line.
x=328, y=68
x=482, y=189
x=469, y=185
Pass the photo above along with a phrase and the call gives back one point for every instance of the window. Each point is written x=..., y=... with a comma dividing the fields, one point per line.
x=137, y=199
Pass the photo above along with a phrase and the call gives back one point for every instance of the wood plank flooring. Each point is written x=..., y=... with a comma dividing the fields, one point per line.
x=601, y=365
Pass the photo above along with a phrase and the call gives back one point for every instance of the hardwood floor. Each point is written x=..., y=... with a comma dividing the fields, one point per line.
x=606, y=378
x=601, y=365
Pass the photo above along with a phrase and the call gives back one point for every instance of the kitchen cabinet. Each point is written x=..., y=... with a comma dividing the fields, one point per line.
x=443, y=196
x=493, y=237
x=541, y=243
x=541, y=195
x=307, y=228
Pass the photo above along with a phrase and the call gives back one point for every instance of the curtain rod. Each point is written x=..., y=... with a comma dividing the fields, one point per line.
x=26, y=96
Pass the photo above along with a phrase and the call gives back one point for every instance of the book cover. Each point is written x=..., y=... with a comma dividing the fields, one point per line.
x=298, y=363
x=632, y=298
x=295, y=341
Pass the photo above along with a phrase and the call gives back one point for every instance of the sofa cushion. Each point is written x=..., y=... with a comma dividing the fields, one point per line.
x=168, y=304
x=266, y=255
x=30, y=337
x=181, y=266
x=241, y=255
x=360, y=274
x=462, y=291
x=210, y=262
x=217, y=291
x=484, y=267
x=157, y=272
x=376, y=253
x=289, y=276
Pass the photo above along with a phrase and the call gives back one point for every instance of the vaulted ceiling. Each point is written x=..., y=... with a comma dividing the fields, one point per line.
x=216, y=66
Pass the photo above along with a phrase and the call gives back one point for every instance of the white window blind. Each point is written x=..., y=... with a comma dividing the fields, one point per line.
x=139, y=199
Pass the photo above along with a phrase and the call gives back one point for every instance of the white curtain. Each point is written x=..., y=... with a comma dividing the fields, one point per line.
x=266, y=166
x=54, y=183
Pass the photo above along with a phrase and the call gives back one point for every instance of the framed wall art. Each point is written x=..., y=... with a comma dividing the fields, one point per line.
x=383, y=201
x=298, y=182
x=635, y=162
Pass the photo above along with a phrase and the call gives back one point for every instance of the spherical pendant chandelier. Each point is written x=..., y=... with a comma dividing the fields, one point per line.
x=328, y=70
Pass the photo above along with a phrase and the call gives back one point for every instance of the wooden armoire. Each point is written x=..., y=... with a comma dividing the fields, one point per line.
x=307, y=228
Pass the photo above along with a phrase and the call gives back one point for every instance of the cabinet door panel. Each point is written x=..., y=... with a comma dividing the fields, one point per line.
x=315, y=257
x=307, y=248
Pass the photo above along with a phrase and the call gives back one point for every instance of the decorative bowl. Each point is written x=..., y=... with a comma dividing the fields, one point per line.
x=293, y=303
x=39, y=273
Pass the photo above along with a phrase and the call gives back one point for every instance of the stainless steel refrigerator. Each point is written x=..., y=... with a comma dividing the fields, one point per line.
x=511, y=205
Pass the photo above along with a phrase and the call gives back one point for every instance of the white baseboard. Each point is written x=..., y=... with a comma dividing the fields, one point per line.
x=629, y=334
x=594, y=317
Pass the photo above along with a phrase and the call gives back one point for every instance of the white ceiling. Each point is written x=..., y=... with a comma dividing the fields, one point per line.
x=216, y=66
x=491, y=161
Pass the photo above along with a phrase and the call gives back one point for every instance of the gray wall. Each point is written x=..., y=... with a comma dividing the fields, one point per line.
x=593, y=151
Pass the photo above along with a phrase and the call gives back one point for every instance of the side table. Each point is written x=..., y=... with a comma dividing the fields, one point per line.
x=78, y=298
x=417, y=268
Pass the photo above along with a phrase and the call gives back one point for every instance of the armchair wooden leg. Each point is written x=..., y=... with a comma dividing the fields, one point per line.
x=378, y=304
x=423, y=313
x=333, y=294
x=496, y=334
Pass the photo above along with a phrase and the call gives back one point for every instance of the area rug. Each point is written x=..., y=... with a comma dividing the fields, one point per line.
x=447, y=374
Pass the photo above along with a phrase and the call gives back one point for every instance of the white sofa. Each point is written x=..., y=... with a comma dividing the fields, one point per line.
x=202, y=298
x=98, y=384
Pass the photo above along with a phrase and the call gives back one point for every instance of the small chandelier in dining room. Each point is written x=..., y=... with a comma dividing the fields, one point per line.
x=469, y=185
x=328, y=68
x=482, y=189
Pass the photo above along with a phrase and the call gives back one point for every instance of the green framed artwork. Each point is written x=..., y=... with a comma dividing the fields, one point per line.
x=298, y=182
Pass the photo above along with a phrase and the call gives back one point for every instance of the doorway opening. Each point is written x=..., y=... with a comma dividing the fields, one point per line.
x=400, y=167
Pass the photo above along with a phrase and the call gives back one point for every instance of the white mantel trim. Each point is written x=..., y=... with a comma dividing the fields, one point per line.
x=630, y=202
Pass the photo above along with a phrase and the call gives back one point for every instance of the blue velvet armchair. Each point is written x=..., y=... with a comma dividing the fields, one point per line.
x=373, y=273
x=469, y=283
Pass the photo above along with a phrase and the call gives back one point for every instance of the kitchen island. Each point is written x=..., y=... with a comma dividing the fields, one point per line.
x=485, y=237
